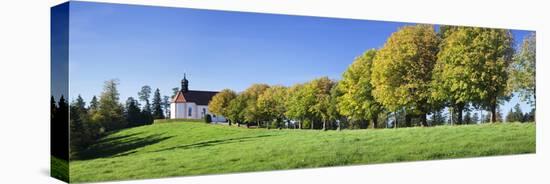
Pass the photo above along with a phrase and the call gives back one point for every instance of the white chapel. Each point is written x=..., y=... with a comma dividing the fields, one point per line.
x=192, y=104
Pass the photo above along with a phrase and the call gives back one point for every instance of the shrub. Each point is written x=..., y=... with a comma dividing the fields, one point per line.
x=208, y=118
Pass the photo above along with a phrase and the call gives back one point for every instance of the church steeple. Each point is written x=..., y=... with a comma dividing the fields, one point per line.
x=184, y=84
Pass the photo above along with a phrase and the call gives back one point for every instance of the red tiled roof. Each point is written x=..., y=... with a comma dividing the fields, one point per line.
x=197, y=97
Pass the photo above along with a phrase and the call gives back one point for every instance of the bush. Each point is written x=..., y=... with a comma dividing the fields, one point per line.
x=208, y=118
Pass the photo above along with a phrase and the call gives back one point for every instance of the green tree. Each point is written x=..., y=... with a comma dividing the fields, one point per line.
x=272, y=103
x=175, y=91
x=94, y=104
x=471, y=68
x=146, y=114
x=79, y=131
x=158, y=113
x=252, y=113
x=166, y=106
x=438, y=118
x=523, y=70
x=297, y=104
x=219, y=105
x=402, y=71
x=235, y=110
x=356, y=101
x=110, y=111
x=133, y=113
x=319, y=90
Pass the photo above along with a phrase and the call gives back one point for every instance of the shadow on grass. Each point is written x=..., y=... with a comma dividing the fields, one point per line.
x=120, y=146
x=213, y=143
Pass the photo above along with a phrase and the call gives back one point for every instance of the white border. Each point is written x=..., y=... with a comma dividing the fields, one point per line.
x=24, y=75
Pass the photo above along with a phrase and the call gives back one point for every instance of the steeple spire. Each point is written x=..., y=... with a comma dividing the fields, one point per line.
x=184, y=84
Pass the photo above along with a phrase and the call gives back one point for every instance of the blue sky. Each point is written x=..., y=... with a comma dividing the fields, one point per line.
x=144, y=45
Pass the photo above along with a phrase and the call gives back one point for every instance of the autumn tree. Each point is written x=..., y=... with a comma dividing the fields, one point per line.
x=402, y=71
x=219, y=104
x=356, y=101
x=252, y=113
x=297, y=105
x=319, y=93
x=472, y=68
x=235, y=109
x=272, y=103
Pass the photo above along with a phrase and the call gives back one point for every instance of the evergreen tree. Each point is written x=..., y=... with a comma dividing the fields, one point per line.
x=79, y=131
x=157, y=105
x=94, y=104
x=146, y=113
x=110, y=112
x=518, y=114
x=133, y=113
x=166, y=105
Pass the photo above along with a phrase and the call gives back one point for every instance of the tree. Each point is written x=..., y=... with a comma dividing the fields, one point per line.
x=356, y=101
x=208, y=118
x=146, y=114
x=219, y=104
x=437, y=118
x=272, y=103
x=297, y=106
x=166, y=106
x=472, y=66
x=158, y=113
x=80, y=134
x=515, y=114
x=252, y=113
x=235, y=110
x=402, y=71
x=133, y=113
x=110, y=111
x=175, y=91
x=319, y=92
x=94, y=104
x=523, y=70
x=144, y=95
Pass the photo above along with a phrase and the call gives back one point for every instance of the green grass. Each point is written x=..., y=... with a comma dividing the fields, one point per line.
x=59, y=169
x=185, y=148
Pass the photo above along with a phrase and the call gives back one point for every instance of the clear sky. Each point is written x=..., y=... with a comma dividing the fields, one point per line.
x=144, y=45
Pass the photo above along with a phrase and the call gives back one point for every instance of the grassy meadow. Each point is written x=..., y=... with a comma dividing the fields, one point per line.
x=192, y=148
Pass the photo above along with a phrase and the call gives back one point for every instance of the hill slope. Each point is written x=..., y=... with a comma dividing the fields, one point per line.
x=184, y=148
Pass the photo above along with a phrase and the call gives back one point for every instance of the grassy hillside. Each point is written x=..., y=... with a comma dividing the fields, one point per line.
x=178, y=149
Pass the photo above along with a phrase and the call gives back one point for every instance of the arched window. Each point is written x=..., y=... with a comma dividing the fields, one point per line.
x=190, y=111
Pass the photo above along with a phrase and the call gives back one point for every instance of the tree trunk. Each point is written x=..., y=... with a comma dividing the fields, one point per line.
x=460, y=108
x=424, y=120
x=229, y=122
x=324, y=125
x=493, y=112
x=407, y=120
x=374, y=122
x=396, y=120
